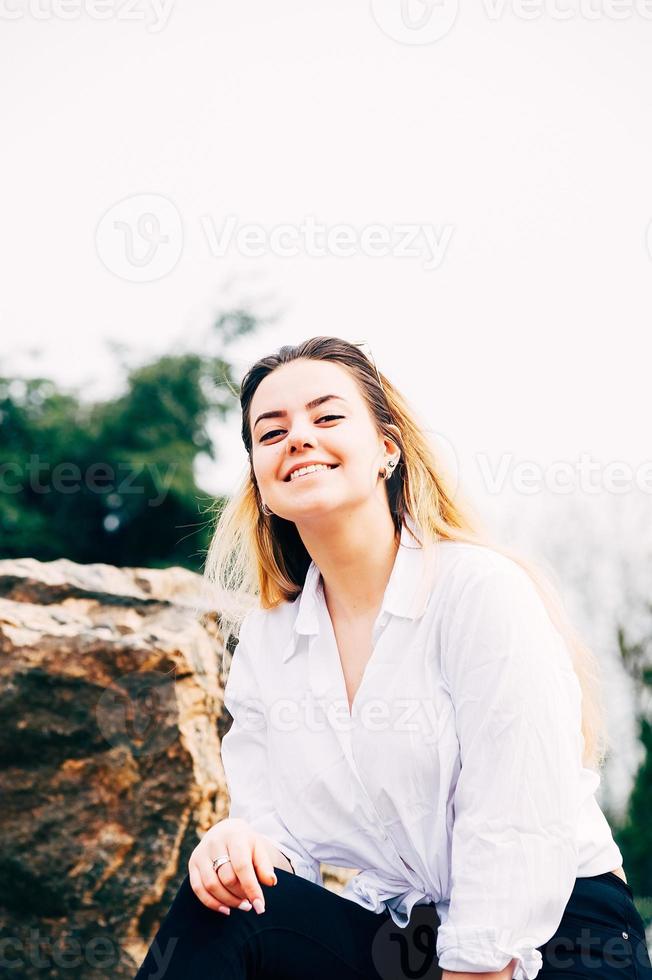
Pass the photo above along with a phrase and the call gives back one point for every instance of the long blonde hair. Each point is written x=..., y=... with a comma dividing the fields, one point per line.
x=258, y=560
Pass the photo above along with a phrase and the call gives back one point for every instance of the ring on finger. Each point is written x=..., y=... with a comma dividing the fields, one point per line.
x=220, y=860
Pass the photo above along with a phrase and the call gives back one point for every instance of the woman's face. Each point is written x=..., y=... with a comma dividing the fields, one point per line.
x=339, y=432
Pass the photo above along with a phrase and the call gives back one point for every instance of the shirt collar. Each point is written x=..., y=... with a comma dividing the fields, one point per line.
x=406, y=594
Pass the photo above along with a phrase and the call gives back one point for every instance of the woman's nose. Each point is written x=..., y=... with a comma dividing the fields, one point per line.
x=298, y=438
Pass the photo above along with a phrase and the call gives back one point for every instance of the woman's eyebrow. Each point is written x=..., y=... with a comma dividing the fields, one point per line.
x=281, y=412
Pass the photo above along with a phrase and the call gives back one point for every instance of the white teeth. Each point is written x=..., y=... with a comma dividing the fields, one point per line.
x=309, y=469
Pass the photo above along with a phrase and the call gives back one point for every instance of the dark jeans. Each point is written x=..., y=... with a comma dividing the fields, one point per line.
x=311, y=933
x=601, y=934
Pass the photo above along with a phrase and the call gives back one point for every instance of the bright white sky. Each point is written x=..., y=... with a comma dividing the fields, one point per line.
x=522, y=145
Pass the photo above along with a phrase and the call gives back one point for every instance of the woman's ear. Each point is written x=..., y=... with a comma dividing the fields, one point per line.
x=392, y=447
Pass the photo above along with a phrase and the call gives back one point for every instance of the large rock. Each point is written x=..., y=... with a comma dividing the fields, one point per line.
x=112, y=715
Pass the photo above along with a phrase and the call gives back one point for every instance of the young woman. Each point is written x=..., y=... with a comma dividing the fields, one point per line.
x=407, y=700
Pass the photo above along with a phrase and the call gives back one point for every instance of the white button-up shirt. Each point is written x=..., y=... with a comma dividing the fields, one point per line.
x=457, y=777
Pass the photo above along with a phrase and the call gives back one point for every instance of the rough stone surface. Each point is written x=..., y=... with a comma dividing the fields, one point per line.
x=112, y=714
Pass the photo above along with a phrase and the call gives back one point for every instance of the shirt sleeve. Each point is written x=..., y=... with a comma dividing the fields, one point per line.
x=244, y=752
x=517, y=705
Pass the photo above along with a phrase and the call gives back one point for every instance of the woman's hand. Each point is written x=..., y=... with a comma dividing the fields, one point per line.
x=236, y=884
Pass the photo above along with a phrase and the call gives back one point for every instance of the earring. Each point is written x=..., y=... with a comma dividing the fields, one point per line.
x=266, y=511
x=388, y=469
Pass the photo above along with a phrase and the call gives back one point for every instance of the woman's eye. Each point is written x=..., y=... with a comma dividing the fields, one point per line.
x=323, y=418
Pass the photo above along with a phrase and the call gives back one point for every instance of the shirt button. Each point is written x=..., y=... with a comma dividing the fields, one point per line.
x=625, y=935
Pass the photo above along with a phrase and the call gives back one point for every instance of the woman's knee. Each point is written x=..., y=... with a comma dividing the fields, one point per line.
x=191, y=936
x=192, y=932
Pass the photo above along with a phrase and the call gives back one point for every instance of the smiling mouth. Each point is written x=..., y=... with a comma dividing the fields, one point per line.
x=291, y=478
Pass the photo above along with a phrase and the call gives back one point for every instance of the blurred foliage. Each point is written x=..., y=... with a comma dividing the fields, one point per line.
x=634, y=835
x=113, y=481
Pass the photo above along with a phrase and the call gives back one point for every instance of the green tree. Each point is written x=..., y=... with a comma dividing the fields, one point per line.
x=113, y=481
x=634, y=836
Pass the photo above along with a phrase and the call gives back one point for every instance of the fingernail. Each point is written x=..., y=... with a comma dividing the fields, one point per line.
x=259, y=905
x=245, y=905
x=274, y=879
x=224, y=909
